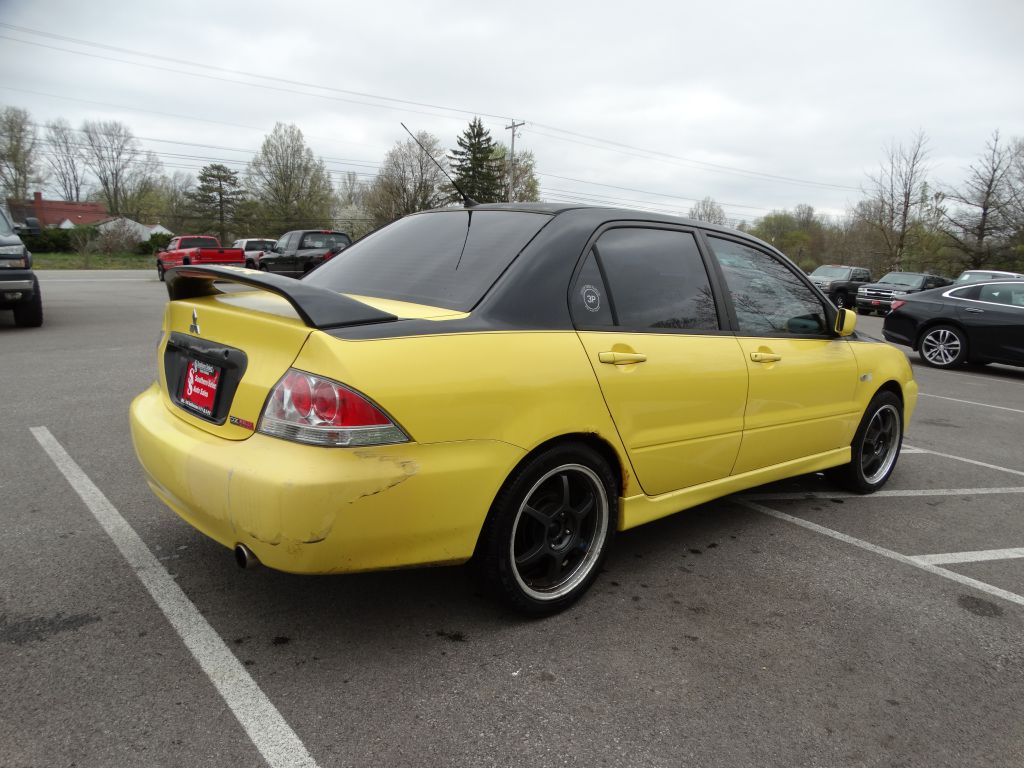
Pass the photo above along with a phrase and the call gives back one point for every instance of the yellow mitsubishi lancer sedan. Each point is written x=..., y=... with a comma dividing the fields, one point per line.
x=507, y=384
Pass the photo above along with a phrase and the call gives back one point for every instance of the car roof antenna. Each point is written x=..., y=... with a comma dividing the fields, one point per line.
x=467, y=201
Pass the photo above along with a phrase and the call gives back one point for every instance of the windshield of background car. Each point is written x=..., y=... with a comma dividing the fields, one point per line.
x=836, y=273
x=5, y=225
x=976, y=277
x=324, y=240
x=259, y=245
x=445, y=259
x=903, y=278
x=198, y=242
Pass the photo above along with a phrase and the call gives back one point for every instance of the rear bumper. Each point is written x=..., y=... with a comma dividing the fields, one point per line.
x=304, y=509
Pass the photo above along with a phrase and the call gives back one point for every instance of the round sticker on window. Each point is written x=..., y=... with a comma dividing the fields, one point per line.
x=591, y=298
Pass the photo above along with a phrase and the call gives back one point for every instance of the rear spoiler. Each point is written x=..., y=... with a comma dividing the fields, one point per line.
x=318, y=307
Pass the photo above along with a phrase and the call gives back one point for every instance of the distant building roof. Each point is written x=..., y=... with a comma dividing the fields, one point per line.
x=52, y=213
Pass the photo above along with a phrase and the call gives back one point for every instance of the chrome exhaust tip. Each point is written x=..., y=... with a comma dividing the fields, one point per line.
x=245, y=557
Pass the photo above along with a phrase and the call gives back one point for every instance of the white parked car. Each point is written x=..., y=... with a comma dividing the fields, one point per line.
x=254, y=248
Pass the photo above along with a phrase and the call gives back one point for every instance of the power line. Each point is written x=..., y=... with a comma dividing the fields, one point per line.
x=611, y=145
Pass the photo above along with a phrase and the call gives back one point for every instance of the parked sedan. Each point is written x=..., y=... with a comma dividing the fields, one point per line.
x=507, y=384
x=975, y=323
x=298, y=252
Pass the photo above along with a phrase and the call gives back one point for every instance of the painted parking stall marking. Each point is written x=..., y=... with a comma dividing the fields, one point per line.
x=978, y=556
x=929, y=563
x=905, y=559
x=265, y=726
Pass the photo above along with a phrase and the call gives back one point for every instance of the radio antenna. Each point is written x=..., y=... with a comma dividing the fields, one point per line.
x=467, y=201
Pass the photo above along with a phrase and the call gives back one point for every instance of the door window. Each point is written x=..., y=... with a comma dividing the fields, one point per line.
x=644, y=279
x=768, y=297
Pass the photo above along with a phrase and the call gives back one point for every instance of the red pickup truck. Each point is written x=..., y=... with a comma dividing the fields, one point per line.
x=196, y=249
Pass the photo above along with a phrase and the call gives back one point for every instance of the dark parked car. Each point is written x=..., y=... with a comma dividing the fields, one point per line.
x=840, y=283
x=19, y=287
x=976, y=323
x=300, y=251
x=877, y=297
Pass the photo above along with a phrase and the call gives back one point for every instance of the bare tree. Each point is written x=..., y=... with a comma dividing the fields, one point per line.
x=66, y=160
x=709, y=211
x=110, y=151
x=175, y=196
x=19, y=163
x=979, y=222
x=140, y=190
x=524, y=184
x=290, y=185
x=408, y=181
x=896, y=195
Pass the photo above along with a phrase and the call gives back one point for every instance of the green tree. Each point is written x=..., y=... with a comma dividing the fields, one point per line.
x=290, y=185
x=215, y=199
x=476, y=170
x=525, y=187
x=19, y=163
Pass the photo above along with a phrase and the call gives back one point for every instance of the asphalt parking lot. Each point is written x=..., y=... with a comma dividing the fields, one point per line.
x=791, y=626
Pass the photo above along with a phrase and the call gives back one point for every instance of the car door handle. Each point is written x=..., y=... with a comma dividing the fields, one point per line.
x=765, y=357
x=975, y=311
x=621, y=358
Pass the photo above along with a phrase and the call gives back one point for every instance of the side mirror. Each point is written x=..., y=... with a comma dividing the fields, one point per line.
x=846, y=322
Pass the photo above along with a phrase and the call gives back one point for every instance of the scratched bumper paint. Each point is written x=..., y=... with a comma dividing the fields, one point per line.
x=306, y=509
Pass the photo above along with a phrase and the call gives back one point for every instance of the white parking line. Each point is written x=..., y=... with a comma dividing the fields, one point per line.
x=906, y=560
x=267, y=729
x=972, y=402
x=978, y=556
x=972, y=461
x=879, y=494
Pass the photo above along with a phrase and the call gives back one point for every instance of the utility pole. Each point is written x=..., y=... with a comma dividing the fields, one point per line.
x=512, y=158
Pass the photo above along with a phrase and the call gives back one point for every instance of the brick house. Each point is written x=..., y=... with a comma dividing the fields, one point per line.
x=57, y=213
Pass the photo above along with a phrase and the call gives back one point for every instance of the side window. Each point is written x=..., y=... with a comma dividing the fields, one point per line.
x=285, y=241
x=861, y=276
x=653, y=278
x=767, y=296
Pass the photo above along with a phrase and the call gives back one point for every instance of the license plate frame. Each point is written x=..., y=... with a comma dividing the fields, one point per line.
x=200, y=386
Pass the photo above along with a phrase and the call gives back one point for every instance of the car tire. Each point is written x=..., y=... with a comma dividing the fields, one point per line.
x=876, y=446
x=549, y=529
x=250, y=264
x=841, y=300
x=263, y=268
x=943, y=346
x=29, y=314
x=160, y=270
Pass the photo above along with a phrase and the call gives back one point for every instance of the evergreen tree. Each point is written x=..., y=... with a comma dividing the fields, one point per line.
x=476, y=169
x=216, y=197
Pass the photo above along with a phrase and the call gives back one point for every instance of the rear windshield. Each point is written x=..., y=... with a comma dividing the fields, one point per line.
x=903, y=278
x=259, y=245
x=443, y=259
x=198, y=242
x=324, y=240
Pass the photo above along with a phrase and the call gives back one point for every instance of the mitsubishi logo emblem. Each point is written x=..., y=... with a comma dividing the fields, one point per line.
x=194, y=328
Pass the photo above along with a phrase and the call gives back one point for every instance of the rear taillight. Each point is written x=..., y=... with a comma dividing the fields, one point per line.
x=897, y=303
x=328, y=255
x=317, y=411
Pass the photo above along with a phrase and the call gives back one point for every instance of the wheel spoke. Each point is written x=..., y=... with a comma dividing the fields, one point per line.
x=533, y=556
x=536, y=515
x=580, y=513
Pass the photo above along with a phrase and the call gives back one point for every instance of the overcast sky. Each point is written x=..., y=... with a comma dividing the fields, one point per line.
x=760, y=105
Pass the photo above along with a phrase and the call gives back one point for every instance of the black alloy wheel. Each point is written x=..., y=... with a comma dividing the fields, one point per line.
x=549, y=529
x=943, y=346
x=841, y=300
x=875, y=447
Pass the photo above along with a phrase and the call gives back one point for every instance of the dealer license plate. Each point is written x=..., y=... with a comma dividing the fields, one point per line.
x=199, y=390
